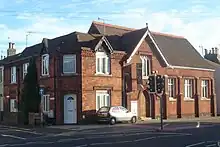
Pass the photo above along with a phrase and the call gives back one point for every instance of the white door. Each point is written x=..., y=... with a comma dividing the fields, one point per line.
x=70, y=109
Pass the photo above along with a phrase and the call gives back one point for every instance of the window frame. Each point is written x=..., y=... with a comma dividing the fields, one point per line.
x=44, y=58
x=13, y=75
x=187, y=85
x=147, y=66
x=103, y=94
x=172, y=85
x=46, y=103
x=206, y=85
x=103, y=68
x=74, y=62
x=25, y=69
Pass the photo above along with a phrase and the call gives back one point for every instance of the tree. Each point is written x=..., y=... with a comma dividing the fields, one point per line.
x=30, y=93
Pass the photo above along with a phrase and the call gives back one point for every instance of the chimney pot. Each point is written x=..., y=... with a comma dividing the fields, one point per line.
x=9, y=45
x=213, y=51
x=206, y=51
x=13, y=45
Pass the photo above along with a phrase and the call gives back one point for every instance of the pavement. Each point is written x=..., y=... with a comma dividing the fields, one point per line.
x=174, y=134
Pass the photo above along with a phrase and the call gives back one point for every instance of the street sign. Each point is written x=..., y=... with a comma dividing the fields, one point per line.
x=41, y=91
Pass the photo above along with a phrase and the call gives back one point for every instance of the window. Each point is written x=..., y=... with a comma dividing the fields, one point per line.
x=25, y=66
x=45, y=65
x=13, y=74
x=205, y=88
x=172, y=87
x=13, y=105
x=69, y=64
x=102, y=63
x=46, y=103
x=188, y=88
x=102, y=99
x=146, y=70
x=1, y=75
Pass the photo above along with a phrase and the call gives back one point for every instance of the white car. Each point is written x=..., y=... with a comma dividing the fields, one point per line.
x=115, y=114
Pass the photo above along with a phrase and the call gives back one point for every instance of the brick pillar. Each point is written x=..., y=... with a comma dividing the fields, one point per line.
x=213, y=98
x=196, y=96
x=179, y=96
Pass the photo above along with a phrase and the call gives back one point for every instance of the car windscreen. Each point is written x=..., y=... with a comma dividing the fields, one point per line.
x=104, y=109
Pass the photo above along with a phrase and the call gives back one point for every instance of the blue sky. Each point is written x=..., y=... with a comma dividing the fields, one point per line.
x=197, y=20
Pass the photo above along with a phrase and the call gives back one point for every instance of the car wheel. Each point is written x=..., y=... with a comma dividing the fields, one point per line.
x=112, y=121
x=133, y=120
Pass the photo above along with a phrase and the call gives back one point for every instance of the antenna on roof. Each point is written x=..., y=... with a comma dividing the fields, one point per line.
x=103, y=20
x=29, y=33
x=201, y=47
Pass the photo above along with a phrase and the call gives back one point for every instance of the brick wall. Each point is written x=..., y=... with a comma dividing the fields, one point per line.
x=186, y=108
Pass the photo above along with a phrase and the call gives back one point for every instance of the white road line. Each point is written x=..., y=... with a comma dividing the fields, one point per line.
x=24, y=131
x=107, y=143
x=81, y=145
x=70, y=139
x=3, y=145
x=211, y=145
x=195, y=144
x=12, y=136
x=142, y=139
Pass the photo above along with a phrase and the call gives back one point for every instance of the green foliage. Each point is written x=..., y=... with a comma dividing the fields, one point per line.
x=30, y=92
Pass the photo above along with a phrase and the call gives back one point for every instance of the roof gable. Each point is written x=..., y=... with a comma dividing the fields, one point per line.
x=166, y=45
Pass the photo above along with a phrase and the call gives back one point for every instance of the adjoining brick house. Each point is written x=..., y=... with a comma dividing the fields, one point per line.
x=189, y=78
x=213, y=58
x=83, y=71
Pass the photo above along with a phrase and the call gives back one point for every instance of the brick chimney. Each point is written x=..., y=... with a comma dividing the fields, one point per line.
x=11, y=49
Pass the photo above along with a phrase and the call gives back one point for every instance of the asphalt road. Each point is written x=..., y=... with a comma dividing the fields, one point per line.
x=140, y=135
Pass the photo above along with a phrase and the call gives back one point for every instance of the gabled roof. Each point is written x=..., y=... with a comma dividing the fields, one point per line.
x=177, y=51
x=66, y=43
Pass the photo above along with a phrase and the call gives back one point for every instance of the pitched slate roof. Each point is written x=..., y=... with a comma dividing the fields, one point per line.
x=177, y=50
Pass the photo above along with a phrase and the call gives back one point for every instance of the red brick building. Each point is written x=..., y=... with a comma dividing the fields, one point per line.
x=83, y=71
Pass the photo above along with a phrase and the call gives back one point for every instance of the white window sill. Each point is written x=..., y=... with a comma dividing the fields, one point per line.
x=171, y=99
x=45, y=75
x=188, y=99
x=205, y=99
x=145, y=77
x=13, y=82
x=103, y=74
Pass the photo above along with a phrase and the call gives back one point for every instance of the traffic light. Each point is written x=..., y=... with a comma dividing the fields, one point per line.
x=151, y=84
x=160, y=84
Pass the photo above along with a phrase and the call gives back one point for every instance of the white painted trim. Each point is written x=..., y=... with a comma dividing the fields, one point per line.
x=106, y=42
x=158, y=49
x=137, y=47
x=191, y=68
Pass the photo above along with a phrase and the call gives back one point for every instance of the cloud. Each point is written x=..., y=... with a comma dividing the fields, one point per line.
x=192, y=19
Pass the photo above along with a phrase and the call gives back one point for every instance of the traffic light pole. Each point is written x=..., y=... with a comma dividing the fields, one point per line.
x=161, y=113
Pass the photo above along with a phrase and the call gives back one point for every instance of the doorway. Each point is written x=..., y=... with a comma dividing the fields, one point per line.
x=70, y=109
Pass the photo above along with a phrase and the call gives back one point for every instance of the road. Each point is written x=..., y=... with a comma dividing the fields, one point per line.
x=139, y=135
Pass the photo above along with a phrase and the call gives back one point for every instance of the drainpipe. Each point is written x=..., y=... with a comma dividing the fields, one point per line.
x=55, y=87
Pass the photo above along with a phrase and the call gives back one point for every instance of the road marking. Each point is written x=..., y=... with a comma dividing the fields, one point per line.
x=142, y=139
x=81, y=145
x=70, y=139
x=210, y=145
x=24, y=131
x=107, y=143
x=195, y=144
x=12, y=136
x=3, y=145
